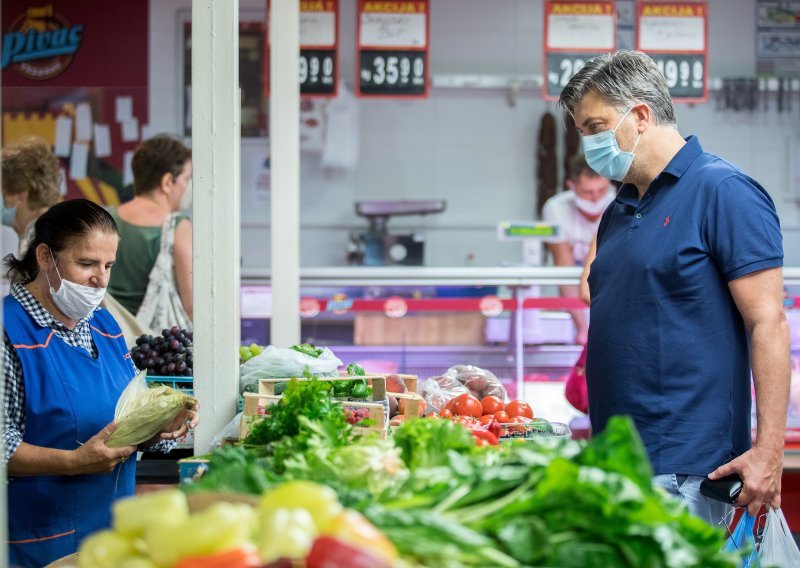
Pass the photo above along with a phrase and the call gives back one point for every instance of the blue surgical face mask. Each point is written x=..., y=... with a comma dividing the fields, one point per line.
x=604, y=155
x=8, y=215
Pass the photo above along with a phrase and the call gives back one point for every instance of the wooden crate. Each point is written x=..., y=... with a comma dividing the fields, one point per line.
x=411, y=381
x=377, y=382
x=252, y=402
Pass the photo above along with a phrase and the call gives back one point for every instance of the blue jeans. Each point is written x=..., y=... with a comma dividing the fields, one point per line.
x=686, y=488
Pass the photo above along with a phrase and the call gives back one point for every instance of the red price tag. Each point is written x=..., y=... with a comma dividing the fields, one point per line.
x=392, y=42
x=574, y=32
x=491, y=306
x=309, y=308
x=395, y=307
x=675, y=35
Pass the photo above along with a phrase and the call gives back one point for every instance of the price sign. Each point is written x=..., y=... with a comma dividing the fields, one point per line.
x=674, y=34
x=393, y=49
x=318, y=47
x=318, y=64
x=574, y=32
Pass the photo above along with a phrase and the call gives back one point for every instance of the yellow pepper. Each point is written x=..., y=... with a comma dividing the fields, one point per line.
x=222, y=526
x=105, y=549
x=353, y=527
x=134, y=515
x=320, y=501
x=286, y=533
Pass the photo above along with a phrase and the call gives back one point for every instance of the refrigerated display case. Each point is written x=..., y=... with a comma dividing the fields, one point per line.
x=422, y=320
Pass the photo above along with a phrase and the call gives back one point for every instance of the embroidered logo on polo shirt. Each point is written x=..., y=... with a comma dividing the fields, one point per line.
x=666, y=220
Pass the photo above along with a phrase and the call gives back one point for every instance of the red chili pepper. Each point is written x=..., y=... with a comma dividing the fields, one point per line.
x=482, y=437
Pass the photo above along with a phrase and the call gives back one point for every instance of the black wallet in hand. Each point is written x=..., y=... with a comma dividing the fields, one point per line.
x=725, y=489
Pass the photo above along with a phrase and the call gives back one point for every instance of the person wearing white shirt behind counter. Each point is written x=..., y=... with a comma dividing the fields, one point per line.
x=577, y=213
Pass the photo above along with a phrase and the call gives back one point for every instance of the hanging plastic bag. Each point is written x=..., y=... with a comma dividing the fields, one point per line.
x=778, y=547
x=742, y=539
x=279, y=362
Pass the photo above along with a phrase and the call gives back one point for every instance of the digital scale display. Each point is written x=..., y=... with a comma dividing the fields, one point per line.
x=523, y=230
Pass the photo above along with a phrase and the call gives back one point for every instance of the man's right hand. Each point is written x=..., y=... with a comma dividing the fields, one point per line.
x=95, y=457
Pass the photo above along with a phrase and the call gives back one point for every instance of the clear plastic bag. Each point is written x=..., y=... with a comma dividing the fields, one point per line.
x=479, y=382
x=278, y=362
x=778, y=547
x=461, y=379
x=229, y=432
x=438, y=391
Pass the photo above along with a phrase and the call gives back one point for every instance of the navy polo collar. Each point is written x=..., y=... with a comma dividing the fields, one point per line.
x=683, y=159
x=676, y=167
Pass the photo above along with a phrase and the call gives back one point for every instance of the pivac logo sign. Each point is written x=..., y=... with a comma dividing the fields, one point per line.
x=41, y=43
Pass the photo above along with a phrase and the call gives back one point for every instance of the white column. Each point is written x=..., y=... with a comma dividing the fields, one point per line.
x=216, y=208
x=284, y=118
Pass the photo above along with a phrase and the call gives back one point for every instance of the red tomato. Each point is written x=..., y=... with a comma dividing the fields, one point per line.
x=502, y=417
x=446, y=413
x=491, y=404
x=468, y=405
x=519, y=408
x=482, y=438
x=486, y=419
x=520, y=419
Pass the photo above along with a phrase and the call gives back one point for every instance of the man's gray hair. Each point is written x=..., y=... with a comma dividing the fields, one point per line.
x=622, y=79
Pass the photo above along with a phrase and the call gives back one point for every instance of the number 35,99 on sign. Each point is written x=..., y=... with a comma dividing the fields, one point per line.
x=393, y=49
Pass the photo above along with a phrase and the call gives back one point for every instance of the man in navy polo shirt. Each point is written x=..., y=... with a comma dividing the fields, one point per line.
x=686, y=292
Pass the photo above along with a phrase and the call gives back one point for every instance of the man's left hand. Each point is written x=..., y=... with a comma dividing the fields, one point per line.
x=761, y=470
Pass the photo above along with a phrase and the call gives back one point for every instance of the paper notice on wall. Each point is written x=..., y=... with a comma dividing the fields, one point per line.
x=79, y=160
x=127, y=170
x=102, y=140
x=124, y=108
x=83, y=122
x=130, y=130
x=147, y=131
x=63, y=136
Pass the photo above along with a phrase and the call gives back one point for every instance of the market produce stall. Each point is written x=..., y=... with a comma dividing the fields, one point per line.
x=430, y=493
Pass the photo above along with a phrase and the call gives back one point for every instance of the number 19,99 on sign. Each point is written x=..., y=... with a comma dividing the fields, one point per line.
x=317, y=72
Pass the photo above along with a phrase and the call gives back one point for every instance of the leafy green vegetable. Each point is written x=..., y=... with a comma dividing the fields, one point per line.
x=304, y=417
x=356, y=370
x=425, y=443
x=619, y=448
x=308, y=349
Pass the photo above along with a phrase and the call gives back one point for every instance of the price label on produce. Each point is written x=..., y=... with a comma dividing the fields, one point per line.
x=574, y=32
x=675, y=35
x=393, y=48
x=318, y=47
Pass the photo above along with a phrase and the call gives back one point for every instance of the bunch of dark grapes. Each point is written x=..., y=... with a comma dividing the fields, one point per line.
x=168, y=354
x=356, y=415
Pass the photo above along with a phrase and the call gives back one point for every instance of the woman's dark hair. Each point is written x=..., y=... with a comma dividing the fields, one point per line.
x=156, y=156
x=58, y=228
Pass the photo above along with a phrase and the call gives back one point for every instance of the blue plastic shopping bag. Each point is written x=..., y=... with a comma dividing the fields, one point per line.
x=742, y=539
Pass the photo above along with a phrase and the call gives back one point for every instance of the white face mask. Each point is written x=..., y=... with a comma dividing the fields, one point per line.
x=74, y=300
x=591, y=208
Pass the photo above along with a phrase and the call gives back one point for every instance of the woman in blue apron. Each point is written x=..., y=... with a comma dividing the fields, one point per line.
x=65, y=364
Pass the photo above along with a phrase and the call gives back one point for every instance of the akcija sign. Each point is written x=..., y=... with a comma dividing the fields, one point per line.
x=40, y=43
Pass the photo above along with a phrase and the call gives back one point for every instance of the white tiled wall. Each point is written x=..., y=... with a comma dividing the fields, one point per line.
x=477, y=152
